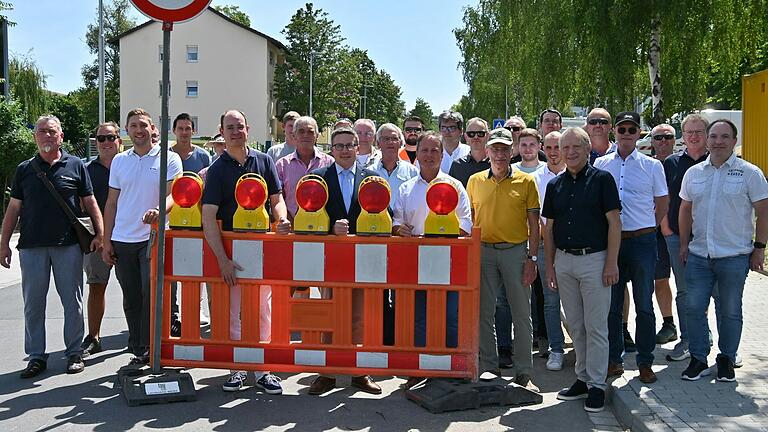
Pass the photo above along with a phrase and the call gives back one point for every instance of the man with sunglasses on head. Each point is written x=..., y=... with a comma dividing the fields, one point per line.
x=477, y=159
x=108, y=144
x=451, y=126
x=413, y=127
x=644, y=201
x=663, y=140
x=598, y=126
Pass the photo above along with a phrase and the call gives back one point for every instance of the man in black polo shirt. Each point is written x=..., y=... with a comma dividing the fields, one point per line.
x=476, y=136
x=108, y=144
x=48, y=242
x=581, y=240
x=219, y=204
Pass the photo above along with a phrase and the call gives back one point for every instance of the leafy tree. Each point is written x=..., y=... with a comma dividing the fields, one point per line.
x=3, y=7
x=16, y=143
x=336, y=82
x=27, y=85
x=383, y=102
x=235, y=13
x=116, y=22
x=73, y=123
x=422, y=109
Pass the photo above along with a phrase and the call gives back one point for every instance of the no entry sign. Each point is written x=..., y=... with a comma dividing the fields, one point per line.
x=171, y=10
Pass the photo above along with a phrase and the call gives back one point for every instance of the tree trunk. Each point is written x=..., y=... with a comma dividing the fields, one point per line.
x=654, y=62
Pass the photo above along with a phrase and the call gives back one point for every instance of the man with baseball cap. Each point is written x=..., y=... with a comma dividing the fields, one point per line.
x=644, y=202
x=509, y=232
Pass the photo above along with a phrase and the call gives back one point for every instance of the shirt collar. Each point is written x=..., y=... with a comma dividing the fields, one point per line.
x=295, y=154
x=352, y=169
x=509, y=172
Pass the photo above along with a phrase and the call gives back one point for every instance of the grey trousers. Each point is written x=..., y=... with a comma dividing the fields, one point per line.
x=132, y=271
x=586, y=302
x=503, y=269
x=67, y=265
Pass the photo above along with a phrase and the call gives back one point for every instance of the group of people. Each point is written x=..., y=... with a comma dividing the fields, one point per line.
x=566, y=220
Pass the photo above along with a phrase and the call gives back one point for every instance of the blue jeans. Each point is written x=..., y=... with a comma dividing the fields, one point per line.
x=551, y=308
x=637, y=264
x=451, y=317
x=701, y=275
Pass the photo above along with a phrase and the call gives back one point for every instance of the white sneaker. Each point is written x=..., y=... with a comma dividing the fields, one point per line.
x=235, y=382
x=555, y=362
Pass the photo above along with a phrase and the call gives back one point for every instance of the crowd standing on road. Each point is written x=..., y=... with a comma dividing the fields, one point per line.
x=566, y=220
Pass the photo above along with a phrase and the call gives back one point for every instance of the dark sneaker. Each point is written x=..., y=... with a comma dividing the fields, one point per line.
x=668, y=333
x=236, y=381
x=140, y=359
x=75, y=364
x=578, y=390
x=629, y=343
x=525, y=381
x=91, y=345
x=696, y=369
x=505, y=358
x=270, y=384
x=595, y=400
x=34, y=368
x=725, y=371
x=176, y=328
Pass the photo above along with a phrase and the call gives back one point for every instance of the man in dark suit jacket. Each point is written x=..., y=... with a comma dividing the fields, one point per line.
x=343, y=179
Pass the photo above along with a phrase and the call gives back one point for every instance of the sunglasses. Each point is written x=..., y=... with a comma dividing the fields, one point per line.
x=664, y=137
x=449, y=129
x=632, y=130
x=473, y=134
x=597, y=121
x=102, y=138
x=413, y=129
x=513, y=128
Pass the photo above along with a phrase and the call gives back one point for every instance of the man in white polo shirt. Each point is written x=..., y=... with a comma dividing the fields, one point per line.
x=644, y=202
x=719, y=196
x=130, y=209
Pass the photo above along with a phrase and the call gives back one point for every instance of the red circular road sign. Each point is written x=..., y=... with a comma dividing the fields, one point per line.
x=171, y=10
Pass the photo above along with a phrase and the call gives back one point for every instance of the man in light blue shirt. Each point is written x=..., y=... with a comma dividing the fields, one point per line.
x=389, y=138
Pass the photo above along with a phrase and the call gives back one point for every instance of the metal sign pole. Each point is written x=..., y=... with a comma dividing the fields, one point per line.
x=4, y=58
x=158, y=325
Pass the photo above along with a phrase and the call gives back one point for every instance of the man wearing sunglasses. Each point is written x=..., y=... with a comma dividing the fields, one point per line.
x=108, y=144
x=477, y=160
x=644, y=201
x=598, y=126
x=451, y=125
x=413, y=127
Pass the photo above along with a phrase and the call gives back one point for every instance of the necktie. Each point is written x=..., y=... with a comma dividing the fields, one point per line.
x=346, y=187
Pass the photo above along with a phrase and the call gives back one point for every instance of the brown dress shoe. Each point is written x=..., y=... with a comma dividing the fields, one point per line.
x=322, y=384
x=646, y=375
x=366, y=384
x=615, y=370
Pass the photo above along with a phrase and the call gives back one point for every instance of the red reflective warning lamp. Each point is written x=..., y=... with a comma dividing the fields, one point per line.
x=311, y=196
x=442, y=200
x=373, y=195
x=186, y=190
x=250, y=194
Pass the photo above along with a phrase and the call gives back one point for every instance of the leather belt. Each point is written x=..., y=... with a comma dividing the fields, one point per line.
x=637, y=233
x=501, y=246
x=582, y=251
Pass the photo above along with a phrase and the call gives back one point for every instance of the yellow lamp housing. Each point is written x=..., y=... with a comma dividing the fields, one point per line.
x=186, y=190
x=442, y=200
x=373, y=195
x=311, y=196
x=250, y=194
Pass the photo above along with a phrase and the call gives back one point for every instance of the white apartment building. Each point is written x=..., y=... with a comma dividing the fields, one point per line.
x=216, y=64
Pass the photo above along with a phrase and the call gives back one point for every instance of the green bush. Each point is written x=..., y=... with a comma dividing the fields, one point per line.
x=16, y=144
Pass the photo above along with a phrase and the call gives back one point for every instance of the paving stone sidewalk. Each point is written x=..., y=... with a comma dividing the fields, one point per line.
x=672, y=404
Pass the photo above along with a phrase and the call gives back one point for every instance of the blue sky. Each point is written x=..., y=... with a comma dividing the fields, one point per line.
x=413, y=40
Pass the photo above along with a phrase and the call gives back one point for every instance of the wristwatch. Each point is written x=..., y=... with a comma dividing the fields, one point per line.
x=759, y=245
x=533, y=258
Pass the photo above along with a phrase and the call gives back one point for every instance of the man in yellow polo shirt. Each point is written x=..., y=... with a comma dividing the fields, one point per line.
x=505, y=205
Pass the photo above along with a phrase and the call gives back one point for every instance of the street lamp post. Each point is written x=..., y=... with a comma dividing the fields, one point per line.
x=312, y=55
x=364, y=104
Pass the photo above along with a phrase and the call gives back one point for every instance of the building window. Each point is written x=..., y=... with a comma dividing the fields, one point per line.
x=160, y=123
x=196, y=123
x=192, y=89
x=271, y=58
x=160, y=89
x=191, y=53
x=160, y=53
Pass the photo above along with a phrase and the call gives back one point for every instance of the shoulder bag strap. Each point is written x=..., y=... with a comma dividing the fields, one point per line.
x=43, y=178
